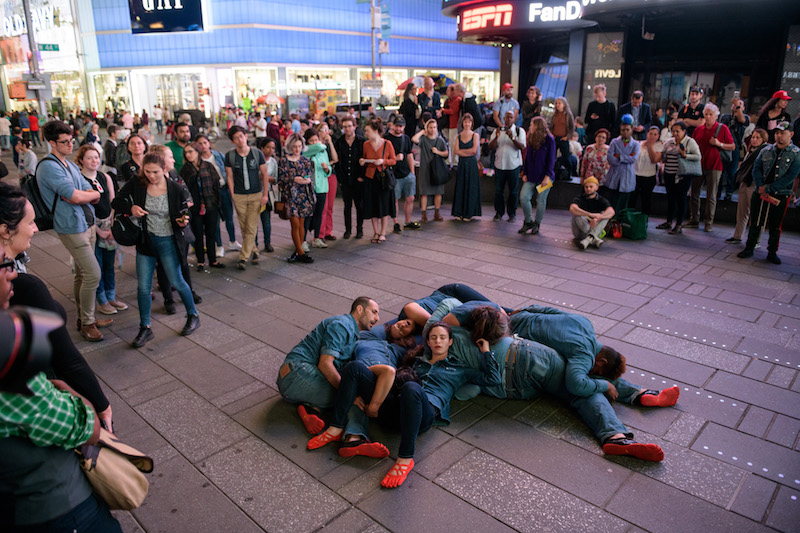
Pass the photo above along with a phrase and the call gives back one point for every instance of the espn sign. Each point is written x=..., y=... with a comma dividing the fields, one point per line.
x=480, y=18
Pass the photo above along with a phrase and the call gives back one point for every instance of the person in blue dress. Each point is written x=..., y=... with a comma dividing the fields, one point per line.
x=467, y=195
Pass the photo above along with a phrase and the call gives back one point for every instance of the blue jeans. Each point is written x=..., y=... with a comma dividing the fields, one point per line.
x=416, y=416
x=5, y=142
x=91, y=516
x=167, y=255
x=305, y=384
x=503, y=178
x=35, y=140
x=226, y=210
x=105, y=290
x=525, y=196
x=159, y=126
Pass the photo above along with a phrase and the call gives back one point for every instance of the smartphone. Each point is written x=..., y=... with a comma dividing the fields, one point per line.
x=736, y=94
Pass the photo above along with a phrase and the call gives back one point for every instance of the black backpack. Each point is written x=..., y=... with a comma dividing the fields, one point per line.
x=43, y=212
x=471, y=107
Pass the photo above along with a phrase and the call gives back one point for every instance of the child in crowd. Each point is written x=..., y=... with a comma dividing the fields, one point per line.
x=580, y=129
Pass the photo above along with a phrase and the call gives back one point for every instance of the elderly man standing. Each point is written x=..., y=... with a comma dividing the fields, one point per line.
x=429, y=100
x=641, y=113
x=310, y=374
x=505, y=103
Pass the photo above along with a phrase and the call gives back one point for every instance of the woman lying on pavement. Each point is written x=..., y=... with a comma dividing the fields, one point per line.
x=529, y=368
x=424, y=398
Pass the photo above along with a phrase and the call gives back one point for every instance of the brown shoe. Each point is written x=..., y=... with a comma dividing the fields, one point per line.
x=424, y=217
x=103, y=322
x=436, y=216
x=91, y=333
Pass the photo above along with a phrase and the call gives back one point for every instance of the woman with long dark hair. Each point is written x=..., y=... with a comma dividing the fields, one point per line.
x=531, y=106
x=540, y=159
x=562, y=124
x=744, y=176
x=377, y=203
x=773, y=113
x=467, y=194
x=409, y=108
x=202, y=181
x=129, y=170
x=676, y=179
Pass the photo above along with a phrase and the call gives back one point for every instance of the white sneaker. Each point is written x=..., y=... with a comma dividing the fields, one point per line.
x=220, y=252
x=234, y=246
x=584, y=243
x=596, y=241
x=318, y=243
x=305, y=247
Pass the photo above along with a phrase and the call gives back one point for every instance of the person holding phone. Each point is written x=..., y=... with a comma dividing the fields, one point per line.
x=162, y=206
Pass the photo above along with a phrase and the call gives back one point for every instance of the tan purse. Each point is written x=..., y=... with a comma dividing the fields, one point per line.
x=115, y=471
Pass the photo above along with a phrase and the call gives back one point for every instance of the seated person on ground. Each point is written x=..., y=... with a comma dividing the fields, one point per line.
x=590, y=214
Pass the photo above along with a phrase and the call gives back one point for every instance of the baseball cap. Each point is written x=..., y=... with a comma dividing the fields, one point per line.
x=507, y=86
x=784, y=125
x=400, y=121
x=695, y=89
x=627, y=118
x=783, y=95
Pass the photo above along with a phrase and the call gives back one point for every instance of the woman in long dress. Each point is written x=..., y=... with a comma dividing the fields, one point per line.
x=431, y=145
x=467, y=197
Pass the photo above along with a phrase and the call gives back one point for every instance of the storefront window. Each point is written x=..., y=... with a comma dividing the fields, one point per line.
x=603, y=64
x=303, y=85
x=181, y=91
x=112, y=91
x=484, y=85
x=392, y=78
x=252, y=84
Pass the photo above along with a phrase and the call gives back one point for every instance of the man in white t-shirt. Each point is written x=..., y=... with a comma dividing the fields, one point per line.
x=5, y=131
x=241, y=121
x=646, y=168
x=508, y=142
x=158, y=116
x=260, y=126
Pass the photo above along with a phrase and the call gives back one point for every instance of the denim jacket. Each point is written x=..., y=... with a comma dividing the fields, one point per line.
x=788, y=169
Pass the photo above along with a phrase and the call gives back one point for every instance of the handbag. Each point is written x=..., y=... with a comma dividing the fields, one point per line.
x=725, y=155
x=386, y=176
x=116, y=471
x=126, y=230
x=282, y=209
x=634, y=224
x=689, y=167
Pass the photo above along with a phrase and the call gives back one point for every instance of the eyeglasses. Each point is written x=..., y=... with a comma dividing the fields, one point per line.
x=7, y=264
x=68, y=141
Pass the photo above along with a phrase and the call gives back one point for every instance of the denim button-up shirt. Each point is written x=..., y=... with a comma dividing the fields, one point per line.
x=56, y=179
x=335, y=336
x=788, y=169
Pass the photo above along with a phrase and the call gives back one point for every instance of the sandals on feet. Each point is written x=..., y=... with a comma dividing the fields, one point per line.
x=381, y=238
x=397, y=475
x=322, y=439
x=375, y=239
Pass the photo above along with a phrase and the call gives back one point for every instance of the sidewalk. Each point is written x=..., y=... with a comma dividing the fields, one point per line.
x=230, y=454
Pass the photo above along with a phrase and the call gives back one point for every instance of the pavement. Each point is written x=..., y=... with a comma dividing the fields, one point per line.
x=230, y=453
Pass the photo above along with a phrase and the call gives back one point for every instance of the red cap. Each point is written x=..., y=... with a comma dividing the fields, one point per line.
x=783, y=95
x=509, y=86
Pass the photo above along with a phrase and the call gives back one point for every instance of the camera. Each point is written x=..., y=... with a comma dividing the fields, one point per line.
x=25, y=347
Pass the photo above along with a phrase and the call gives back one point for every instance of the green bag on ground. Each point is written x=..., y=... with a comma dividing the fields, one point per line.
x=634, y=224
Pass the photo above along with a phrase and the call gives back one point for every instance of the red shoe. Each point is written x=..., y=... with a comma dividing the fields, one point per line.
x=311, y=420
x=397, y=475
x=646, y=452
x=322, y=439
x=365, y=448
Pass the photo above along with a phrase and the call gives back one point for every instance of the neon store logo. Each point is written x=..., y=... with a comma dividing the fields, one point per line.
x=479, y=18
x=571, y=10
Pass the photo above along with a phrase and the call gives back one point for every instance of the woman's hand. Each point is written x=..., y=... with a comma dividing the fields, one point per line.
x=524, y=179
x=362, y=161
x=379, y=162
x=103, y=233
x=300, y=180
x=483, y=345
x=105, y=417
x=183, y=221
x=372, y=409
x=325, y=167
x=138, y=211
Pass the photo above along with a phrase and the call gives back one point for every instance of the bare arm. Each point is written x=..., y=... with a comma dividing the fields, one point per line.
x=415, y=139
x=83, y=197
x=451, y=320
x=334, y=154
x=328, y=370
x=383, y=385
x=411, y=162
x=229, y=176
x=416, y=313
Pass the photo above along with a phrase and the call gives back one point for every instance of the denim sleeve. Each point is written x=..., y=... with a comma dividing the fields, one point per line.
x=785, y=181
x=490, y=372
x=337, y=341
x=577, y=377
x=443, y=309
x=758, y=170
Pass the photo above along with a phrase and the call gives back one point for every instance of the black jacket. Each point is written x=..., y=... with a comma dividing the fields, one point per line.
x=357, y=171
x=645, y=119
x=134, y=193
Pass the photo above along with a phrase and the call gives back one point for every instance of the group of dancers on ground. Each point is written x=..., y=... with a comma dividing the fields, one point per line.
x=454, y=343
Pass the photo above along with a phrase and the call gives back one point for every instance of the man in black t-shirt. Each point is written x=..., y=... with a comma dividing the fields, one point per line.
x=692, y=112
x=590, y=214
x=404, y=172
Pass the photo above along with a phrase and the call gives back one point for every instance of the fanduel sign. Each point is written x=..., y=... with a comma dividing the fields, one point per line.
x=43, y=19
x=570, y=10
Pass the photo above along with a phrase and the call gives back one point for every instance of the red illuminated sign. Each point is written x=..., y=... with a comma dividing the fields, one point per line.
x=482, y=17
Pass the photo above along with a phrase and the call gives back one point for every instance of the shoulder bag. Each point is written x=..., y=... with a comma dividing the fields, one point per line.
x=689, y=167
x=386, y=176
x=439, y=173
x=725, y=155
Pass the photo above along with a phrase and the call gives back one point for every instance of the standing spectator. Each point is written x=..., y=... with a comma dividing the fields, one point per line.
x=297, y=190
x=562, y=124
x=27, y=160
x=622, y=155
x=467, y=194
x=453, y=110
x=145, y=118
x=163, y=204
x=317, y=152
x=711, y=137
x=274, y=128
x=183, y=136
x=409, y=109
x=268, y=146
x=775, y=170
x=241, y=121
x=650, y=152
x=14, y=140
x=508, y=143
x=378, y=202
x=658, y=118
x=33, y=118
x=350, y=148
x=135, y=149
x=531, y=106
x=202, y=181
x=61, y=181
x=744, y=176
x=600, y=114
x=537, y=169
x=580, y=129
x=325, y=136
x=295, y=123
x=590, y=214
x=641, y=113
x=110, y=153
x=246, y=172
x=666, y=131
x=431, y=145
x=505, y=103
x=692, y=113
x=5, y=131
x=429, y=100
x=737, y=122
x=259, y=126
x=595, y=160
x=217, y=160
x=127, y=121
x=678, y=150
x=404, y=173
x=773, y=113
x=25, y=125
x=575, y=153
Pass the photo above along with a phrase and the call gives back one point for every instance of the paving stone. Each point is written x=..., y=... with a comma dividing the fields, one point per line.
x=782, y=376
x=127, y=522
x=652, y=506
x=695, y=289
x=749, y=453
x=420, y=505
x=484, y=481
x=265, y=485
x=655, y=421
x=263, y=364
x=260, y=396
x=619, y=331
x=685, y=429
x=754, y=497
x=756, y=421
x=761, y=394
x=727, y=309
x=784, y=431
x=442, y=458
x=148, y=390
x=200, y=507
x=696, y=331
x=757, y=370
x=191, y=424
x=122, y=369
x=279, y=334
x=684, y=349
x=532, y=450
x=353, y=521
x=785, y=512
x=760, y=303
x=205, y=373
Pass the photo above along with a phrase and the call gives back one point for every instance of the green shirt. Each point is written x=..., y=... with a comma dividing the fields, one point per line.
x=177, y=152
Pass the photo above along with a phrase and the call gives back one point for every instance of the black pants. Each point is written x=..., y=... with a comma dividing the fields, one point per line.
x=205, y=228
x=761, y=211
x=352, y=194
x=644, y=191
x=314, y=222
x=676, y=197
x=564, y=153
